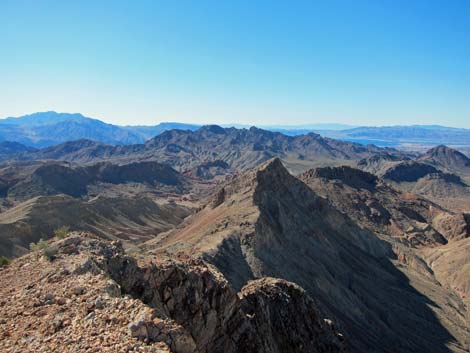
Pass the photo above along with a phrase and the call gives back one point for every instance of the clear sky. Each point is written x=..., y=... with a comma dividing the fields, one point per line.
x=376, y=62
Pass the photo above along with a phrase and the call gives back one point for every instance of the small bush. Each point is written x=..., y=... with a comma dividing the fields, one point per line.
x=62, y=232
x=40, y=245
x=49, y=252
x=4, y=261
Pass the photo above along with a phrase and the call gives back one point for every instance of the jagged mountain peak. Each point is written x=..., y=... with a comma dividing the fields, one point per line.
x=274, y=165
x=268, y=174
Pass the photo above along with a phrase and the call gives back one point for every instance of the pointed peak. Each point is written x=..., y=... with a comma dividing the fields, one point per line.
x=270, y=172
x=272, y=167
x=272, y=164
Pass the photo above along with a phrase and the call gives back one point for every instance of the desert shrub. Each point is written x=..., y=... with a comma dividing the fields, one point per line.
x=4, y=261
x=49, y=252
x=40, y=245
x=62, y=232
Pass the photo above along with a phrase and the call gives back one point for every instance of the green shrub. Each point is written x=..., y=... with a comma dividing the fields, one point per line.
x=40, y=245
x=49, y=252
x=4, y=261
x=62, y=232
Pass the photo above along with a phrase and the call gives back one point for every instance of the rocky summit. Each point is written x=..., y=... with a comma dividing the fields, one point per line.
x=92, y=297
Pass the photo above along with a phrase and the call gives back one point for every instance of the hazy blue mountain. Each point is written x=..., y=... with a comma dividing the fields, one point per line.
x=51, y=128
x=43, y=118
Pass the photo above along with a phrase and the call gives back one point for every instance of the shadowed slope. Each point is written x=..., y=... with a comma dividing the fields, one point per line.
x=266, y=222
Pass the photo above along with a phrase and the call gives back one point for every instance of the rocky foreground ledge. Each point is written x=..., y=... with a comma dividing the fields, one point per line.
x=92, y=297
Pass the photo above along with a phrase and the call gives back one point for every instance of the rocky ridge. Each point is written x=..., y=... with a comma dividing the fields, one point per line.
x=268, y=223
x=92, y=297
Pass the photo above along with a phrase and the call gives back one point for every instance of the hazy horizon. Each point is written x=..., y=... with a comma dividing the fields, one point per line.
x=359, y=63
x=326, y=125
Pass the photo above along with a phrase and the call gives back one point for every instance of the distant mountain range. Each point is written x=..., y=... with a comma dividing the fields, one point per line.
x=236, y=149
x=50, y=128
x=379, y=237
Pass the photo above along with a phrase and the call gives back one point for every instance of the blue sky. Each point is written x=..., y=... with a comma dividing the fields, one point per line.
x=377, y=62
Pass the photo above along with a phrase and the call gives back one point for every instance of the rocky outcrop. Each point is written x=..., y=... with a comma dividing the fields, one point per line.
x=455, y=226
x=273, y=308
x=269, y=315
x=99, y=298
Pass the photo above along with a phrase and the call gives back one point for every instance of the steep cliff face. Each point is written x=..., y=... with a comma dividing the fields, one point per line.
x=268, y=223
x=97, y=298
